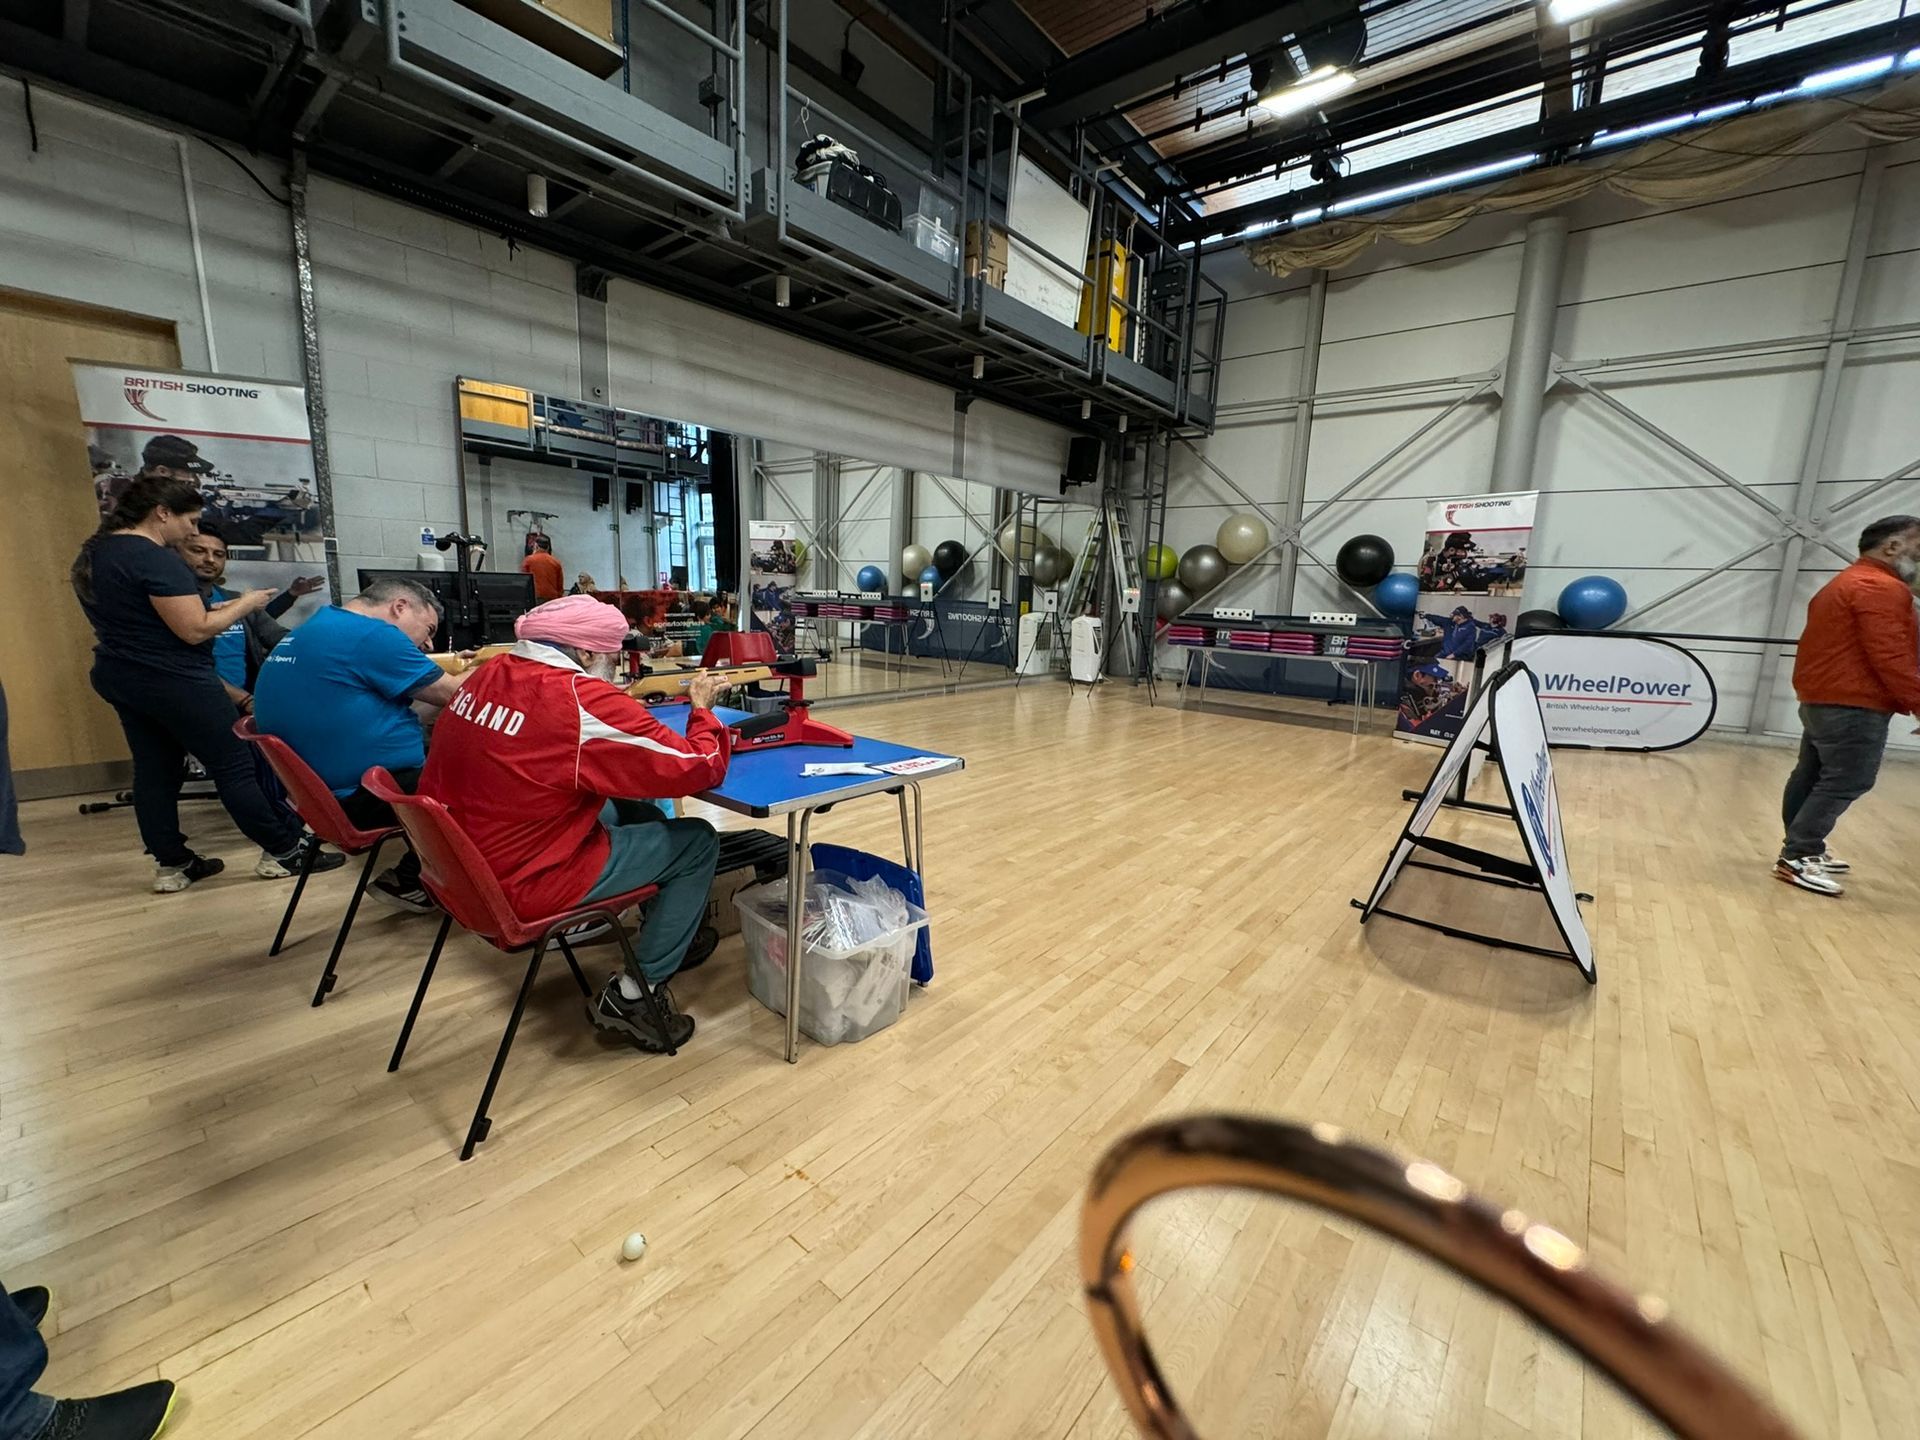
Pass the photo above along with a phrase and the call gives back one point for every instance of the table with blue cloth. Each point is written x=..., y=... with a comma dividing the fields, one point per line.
x=763, y=784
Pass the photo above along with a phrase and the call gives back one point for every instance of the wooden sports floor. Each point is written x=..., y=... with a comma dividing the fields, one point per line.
x=1140, y=912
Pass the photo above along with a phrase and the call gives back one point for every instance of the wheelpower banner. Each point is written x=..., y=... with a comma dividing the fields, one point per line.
x=1473, y=565
x=1506, y=717
x=1619, y=692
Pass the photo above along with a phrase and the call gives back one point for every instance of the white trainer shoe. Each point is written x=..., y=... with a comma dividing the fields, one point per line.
x=1809, y=874
x=1833, y=864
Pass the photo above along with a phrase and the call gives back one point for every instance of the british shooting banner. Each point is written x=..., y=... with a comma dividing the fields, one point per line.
x=1472, y=567
x=774, y=554
x=1505, y=717
x=245, y=443
x=1619, y=692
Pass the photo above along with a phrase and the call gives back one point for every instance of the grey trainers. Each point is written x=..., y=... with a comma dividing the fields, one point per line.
x=282, y=867
x=633, y=1020
x=1809, y=874
x=172, y=879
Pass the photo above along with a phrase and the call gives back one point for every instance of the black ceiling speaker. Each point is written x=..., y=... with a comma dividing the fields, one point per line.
x=1337, y=44
x=1083, y=459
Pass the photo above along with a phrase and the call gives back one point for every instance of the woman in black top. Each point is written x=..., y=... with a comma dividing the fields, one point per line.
x=153, y=662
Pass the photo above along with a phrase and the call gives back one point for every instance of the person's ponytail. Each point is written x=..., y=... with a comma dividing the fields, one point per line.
x=141, y=498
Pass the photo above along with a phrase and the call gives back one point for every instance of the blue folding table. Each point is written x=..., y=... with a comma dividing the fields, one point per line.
x=766, y=783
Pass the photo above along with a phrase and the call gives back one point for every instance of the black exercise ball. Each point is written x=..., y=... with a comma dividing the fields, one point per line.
x=949, y=556
x=1533, y=622
x=1364, y=561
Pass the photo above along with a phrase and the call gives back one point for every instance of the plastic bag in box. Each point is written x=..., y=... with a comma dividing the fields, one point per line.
x=859, y=939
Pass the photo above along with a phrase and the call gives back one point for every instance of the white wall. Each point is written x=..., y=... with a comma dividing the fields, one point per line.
x=673, y=357
x=1760, y=266
x=605, y=543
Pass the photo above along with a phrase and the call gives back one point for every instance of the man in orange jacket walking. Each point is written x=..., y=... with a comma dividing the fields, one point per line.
x=1858, y=666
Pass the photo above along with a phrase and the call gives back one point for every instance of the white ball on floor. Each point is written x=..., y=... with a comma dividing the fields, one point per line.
x=633, y=1247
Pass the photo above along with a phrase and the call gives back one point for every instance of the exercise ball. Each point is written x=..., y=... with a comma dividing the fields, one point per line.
x=1201, y=568
x=1022, y=545
x=914, y=559
x=931, y=575
x=872, y=577
x=1364, y=561
x=949, y=556
x=1397, y=595
x=1171, y=600
x=1593, y=602
x=1240, y=538
x=1535, y=622
x=1159, y=562
x=1050, y=566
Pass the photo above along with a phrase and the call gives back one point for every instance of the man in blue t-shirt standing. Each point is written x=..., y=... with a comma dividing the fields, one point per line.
x=340, y=691
x=239, y=649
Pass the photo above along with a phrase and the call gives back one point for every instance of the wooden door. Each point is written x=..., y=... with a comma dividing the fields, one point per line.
x=63, y=737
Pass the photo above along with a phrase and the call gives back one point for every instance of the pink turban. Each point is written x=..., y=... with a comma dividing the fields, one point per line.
x=578, y=621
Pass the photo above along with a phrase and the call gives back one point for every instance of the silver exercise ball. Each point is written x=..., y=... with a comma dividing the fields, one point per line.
x=1050, y=566
x=1171, y=600
x=1029, y=539
x=1202, y=568
x=1240, y=538
x=913, y=560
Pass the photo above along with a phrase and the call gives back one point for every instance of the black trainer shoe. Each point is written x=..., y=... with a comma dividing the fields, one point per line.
x=139, y=1413
x=280, y=867
x=704, y=944
x=32, y=1302
x=633, y=1020
x=389, y=889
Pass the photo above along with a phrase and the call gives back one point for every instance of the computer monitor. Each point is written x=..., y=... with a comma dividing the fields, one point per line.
x=494, y=601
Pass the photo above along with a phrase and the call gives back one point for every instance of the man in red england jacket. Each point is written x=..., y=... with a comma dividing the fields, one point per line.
x=1858, y=666
x=529, y=758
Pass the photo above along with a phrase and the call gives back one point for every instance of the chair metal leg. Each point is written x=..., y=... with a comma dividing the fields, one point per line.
x=477, y=1131
x=346, y=924
x=420, y=993
x=293, y=900
x=654, y=1007
x=574, y=965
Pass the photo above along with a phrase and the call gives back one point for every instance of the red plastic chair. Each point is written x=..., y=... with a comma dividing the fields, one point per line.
x=458, y=876
x=320, y=808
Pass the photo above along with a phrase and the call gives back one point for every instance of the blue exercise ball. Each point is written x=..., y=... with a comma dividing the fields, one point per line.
x=1398, y=594
x=931, y=575
x=1593, y=602
x=872, y=577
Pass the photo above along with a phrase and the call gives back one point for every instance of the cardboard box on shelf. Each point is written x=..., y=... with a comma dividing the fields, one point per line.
x=578, y=31
x=593, y=16
x=995, y=264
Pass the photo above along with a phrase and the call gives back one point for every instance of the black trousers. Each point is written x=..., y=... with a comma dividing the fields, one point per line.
x=167, y=717
x=370, y=812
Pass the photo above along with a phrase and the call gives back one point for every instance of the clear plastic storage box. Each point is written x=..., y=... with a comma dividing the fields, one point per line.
x=859, y=939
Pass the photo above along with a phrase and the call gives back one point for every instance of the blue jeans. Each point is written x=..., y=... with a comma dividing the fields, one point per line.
x=1840, y=750
x=23, y=1356
x=676, y=855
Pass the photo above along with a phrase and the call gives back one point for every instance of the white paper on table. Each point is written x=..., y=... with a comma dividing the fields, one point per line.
x=814, y=772
x=918, y=765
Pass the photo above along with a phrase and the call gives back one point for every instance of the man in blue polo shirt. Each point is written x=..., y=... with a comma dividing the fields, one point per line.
x=340, y=691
